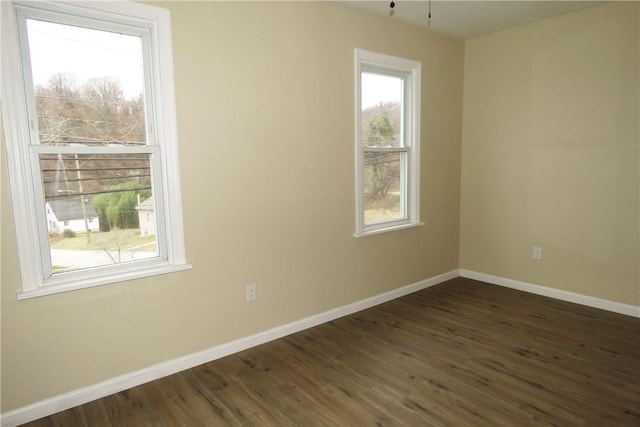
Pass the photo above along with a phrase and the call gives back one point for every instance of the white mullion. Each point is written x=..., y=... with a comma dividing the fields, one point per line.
x=405, y=183
x=406, y=168
x=157, y=187
x=386, y=149
x=27, y=76
x=413, y=162
x=155, y=138
x=42, y=231
x=39, y=227
x=17, y=127
x=359, y=156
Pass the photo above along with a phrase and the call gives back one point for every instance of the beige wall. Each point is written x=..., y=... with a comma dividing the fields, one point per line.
x=550, y=157
x=550, y=153
x=265, y=116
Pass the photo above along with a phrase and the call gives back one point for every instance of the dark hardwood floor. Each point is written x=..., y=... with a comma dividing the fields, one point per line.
x=463, y=353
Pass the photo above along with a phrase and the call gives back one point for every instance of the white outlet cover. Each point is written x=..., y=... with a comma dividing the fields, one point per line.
x=251, y=292
x=537, y=252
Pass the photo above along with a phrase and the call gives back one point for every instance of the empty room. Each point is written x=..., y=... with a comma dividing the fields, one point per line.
x=309, y=213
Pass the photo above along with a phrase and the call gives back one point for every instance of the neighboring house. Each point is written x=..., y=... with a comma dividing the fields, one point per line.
x=67, y=214
x=146, y=217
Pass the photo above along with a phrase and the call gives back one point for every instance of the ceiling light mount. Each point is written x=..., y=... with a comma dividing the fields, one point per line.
x=392, y=11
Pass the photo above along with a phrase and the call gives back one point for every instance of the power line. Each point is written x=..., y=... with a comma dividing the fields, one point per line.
x=101, y=122
x=90, y=193
x=71, y=157
x=112, y=168
x=77, y=40
x=97, y=142
x=90, y=101
x=105, y=178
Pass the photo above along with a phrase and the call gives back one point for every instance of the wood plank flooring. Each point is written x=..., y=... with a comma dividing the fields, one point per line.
x=463, y=353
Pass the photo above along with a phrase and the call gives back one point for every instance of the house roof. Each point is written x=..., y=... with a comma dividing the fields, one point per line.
x=70, y=209
x=147, y=205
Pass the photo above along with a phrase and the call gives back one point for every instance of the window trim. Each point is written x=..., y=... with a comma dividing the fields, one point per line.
x=17, y=140
x=373, y=61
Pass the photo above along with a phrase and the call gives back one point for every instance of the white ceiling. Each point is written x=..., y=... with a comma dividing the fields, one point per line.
x=469, y=19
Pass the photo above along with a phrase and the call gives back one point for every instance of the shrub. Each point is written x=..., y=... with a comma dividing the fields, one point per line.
x=69, y=233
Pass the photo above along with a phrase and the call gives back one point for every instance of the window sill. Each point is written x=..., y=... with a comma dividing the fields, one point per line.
x=104, y=280
x=372, y=232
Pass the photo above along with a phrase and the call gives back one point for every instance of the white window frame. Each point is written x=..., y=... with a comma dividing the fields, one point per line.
x=22, y=149
x=410, y=179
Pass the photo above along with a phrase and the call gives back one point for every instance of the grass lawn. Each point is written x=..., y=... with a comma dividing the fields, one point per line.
x=383, y=209
x=122, y=239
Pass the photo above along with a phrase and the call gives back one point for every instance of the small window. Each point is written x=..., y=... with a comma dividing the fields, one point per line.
x=93, y=117
x=387, y=143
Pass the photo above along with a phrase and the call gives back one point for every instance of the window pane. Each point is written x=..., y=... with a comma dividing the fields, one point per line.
x=382, y=192
x=88, y=85
x=381, y=110
x=99, y=209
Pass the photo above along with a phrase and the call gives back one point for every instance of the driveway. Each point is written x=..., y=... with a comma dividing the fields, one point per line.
x=74, y=259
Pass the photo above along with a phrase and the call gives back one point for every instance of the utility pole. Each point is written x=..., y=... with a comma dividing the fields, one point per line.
x=84, y=208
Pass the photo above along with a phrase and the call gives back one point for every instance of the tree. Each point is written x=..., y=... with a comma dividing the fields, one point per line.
x=95, y=113
x=381, y=169
x=379, y=132
x=117, y=209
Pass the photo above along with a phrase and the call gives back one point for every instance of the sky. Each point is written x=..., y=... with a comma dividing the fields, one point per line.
x=377, y=88
x=88, y=53
x=85, y=53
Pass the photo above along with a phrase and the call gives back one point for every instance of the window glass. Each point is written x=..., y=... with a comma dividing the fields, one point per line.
x=381, y=105
x=382, y=112
x=92, y=152
x=113, y=188
x=88, y=90
x=88, y=85
x=382, y=192
x=387, y=143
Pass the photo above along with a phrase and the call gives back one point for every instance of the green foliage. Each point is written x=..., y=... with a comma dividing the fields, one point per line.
x=94, y=113
x=379, y=131
x=381, y=169
x=69, y=233
x=378, y=120
x=117, y=208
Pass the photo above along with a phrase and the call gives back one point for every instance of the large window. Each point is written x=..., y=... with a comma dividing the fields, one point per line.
x=387, y=143
x=90, y=137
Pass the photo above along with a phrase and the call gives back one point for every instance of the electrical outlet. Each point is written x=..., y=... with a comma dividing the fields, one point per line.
x=537, y=253
x=252, y=292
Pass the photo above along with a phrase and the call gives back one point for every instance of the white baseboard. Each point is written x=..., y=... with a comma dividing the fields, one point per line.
x=74, y=398
x=616, y=307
